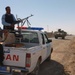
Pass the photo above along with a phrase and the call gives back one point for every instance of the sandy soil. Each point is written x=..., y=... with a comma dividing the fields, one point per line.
x=63, y=58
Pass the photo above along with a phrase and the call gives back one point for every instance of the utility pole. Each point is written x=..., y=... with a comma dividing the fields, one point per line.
x=47, y=28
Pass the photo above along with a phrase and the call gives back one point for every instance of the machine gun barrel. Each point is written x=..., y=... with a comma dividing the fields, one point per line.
x=26, y=18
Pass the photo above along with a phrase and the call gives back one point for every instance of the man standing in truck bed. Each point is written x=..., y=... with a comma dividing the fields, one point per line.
x=8, y=19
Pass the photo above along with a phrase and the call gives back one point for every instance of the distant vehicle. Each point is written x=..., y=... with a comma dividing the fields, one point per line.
x=60, y=33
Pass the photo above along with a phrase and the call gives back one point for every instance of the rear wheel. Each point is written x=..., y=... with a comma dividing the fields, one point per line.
x=63, y=37
x=49, y=58
x=36, y=70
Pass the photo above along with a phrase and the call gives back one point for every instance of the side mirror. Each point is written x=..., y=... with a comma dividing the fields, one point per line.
x=49, y=40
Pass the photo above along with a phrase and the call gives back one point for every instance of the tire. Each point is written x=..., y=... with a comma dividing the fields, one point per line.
x=36, y=70
x=49, y=58
x=63, y=37
x=56, y=37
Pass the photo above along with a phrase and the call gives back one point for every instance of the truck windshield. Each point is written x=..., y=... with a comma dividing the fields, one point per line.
x=29, y=37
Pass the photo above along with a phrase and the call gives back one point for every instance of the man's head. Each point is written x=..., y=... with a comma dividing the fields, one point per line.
x=8, y=10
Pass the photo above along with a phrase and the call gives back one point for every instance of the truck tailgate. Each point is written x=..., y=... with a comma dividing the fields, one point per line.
x=14, y=57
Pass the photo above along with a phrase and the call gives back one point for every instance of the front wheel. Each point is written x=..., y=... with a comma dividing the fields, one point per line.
x=56, y=37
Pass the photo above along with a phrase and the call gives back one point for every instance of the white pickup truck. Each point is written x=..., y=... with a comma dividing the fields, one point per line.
x=29, y=51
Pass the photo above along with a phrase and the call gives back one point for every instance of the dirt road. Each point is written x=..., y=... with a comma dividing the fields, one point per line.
x=62, y=60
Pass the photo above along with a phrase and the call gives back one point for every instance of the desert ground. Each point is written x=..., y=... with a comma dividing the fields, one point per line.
x=62, y=59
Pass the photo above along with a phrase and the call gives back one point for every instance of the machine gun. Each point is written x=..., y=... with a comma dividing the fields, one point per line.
x=23, y=21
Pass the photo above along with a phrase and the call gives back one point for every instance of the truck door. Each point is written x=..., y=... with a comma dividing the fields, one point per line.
x=44, y=49
x=48, y=45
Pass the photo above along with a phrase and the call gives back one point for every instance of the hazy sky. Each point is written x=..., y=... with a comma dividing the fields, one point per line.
x=49, y=14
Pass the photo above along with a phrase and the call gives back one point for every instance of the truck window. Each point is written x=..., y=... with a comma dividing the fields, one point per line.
x=30, y=37
x=43, y=41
